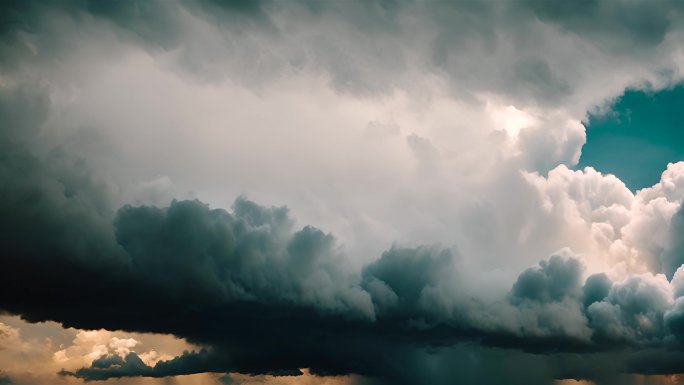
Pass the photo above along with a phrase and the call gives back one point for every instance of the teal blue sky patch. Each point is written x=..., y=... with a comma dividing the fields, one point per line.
x=637, y=138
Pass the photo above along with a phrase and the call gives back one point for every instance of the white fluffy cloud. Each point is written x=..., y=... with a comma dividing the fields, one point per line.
x=619, y=231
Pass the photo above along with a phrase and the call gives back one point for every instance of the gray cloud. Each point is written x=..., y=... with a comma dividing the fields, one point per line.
x=614, y=25
x=465, y=40
x=225, y=279
x=402, y=278
x=596, y=288
x=114, y=366
x=553, y=280
x=265, y=295
x=632, y=311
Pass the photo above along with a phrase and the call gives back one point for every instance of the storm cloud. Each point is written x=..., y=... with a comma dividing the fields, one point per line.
x=502, y=256
x=265, y=296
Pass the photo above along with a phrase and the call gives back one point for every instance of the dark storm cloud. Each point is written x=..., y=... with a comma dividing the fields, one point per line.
x=674, y=318
x=245, y=283
x=266, y=296
x=399, y=279
x=595, y=289
x=552, y=280
x=114, y=366
x=248, y=255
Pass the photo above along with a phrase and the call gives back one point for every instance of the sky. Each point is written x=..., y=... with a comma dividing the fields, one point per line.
x=638, y=138
x=374, y=192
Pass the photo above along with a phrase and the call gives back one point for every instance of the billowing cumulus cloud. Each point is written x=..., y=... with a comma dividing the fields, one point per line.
x=551, y=281
x=420, y=219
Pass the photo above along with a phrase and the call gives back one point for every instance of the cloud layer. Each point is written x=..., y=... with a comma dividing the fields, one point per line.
x=265, y=296
x=448, y=129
